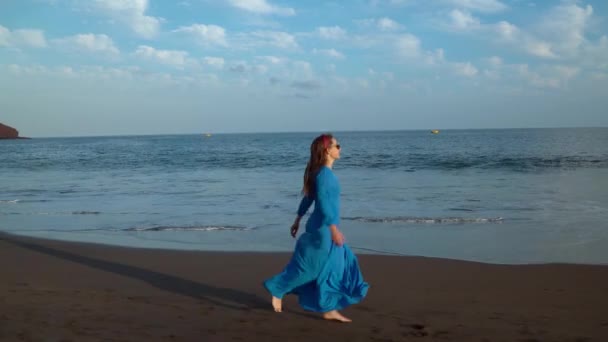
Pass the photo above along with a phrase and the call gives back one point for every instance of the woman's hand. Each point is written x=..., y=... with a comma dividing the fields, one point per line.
x=294, y=228
x=337, y=236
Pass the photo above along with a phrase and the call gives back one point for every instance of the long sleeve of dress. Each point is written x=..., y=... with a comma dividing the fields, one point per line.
x=328, y=197
x=305, y=203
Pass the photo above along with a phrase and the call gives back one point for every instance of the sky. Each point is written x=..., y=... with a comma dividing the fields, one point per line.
x=130, y=67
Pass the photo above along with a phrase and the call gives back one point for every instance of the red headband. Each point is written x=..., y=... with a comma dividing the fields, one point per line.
x=326, y=140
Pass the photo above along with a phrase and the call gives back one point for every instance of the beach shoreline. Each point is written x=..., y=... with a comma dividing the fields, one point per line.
x=68, y=291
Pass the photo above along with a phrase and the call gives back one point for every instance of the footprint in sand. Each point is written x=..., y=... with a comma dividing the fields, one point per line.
x=364, y=308
x=416, y=330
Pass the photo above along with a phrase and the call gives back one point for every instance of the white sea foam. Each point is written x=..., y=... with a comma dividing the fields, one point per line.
x=431, y=220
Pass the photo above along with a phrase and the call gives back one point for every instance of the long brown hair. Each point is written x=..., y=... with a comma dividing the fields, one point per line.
x=318, y=150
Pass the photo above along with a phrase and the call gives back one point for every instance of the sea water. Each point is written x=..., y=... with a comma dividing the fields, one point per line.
x=501, y=196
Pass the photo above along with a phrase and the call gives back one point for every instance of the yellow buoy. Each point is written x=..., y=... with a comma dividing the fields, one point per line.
x=435, y=131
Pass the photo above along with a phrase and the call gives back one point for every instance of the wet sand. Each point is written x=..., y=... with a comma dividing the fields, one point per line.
x=64, y=291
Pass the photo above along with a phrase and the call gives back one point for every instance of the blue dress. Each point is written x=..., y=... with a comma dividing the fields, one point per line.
x=325, y=276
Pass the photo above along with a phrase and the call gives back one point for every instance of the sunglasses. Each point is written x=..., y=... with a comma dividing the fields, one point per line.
x=337, y=146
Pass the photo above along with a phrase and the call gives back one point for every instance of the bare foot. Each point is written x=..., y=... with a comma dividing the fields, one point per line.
x=334, y=315
x=277, y=304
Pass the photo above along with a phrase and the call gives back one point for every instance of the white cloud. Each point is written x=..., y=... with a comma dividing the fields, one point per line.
x=565, y=27
x=20, y=70
x=540, y=49
x=541, y=76
x=31, y=38
x=408, y=45
x=131, y=13
x=436, y=57
x=175, y=58
x=122, y=75
x=566, y=72
x=278, y=39
x=388, y=24
x=487, y=6
x=97, y=43
x=495, y=61
x=530, y=44
x=22, y=38
x=248, y=70
x=361, y=82
x=333, y=53
x=556, y=76
x=511, y=34
x=382, y=79
x=262, y=7
x=507, y=30
x=205, y=34
x=272, y=59
x=463, y=20
x=239, y=67
x=495, y=67
x=491, y=74
x=278, y=71
x=260, y=69
x=383, y=24
x=558, y=34
x=391, y=2
x=301, y=70
x=97, y=72
x=5, y=36
x=595, y=56
x=216, y=62
x=331, y=33
x=465, y=69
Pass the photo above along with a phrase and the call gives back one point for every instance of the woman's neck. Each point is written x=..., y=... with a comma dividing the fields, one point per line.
x=329, y=163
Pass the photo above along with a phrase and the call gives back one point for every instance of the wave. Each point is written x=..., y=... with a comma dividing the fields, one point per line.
x=188, y=228
x=141, y=229
x=413, y=163
x=85, y=212
x=9, y=201
x=426, y=220
x=517, y=159
x=78, y=212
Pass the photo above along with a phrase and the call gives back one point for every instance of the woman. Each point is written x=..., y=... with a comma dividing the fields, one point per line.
x=323, y=271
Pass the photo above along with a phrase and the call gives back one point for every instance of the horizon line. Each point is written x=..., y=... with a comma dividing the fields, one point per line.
x=311, y=131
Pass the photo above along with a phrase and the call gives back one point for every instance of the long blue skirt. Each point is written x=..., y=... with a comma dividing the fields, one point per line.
x=324, y=276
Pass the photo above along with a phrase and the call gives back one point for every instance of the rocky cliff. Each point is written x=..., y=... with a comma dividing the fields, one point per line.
x=7, y=132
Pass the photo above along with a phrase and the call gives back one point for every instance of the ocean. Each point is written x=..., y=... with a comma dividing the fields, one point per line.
x=512, y=196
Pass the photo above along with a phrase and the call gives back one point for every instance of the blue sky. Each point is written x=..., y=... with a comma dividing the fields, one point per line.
x=111, y=67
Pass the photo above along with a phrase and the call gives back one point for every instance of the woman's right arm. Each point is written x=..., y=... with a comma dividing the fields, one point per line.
x=305, y=203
